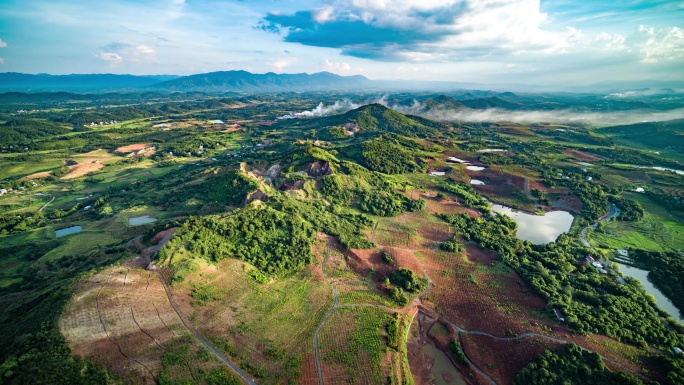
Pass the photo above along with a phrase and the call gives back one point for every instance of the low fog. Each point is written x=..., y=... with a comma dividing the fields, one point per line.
x=553, y=116
x=499, y=115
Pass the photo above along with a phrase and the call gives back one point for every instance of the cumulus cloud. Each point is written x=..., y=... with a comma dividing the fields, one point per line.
x=340, y=68
x=421, y=30
x=659, y=45
x=279, y=64
x=3, y=44
x=118, y=53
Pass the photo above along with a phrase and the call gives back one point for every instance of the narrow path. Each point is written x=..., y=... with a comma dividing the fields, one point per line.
x=613, y=211
x=45, y=205
x=203, y=340
x=327, y=316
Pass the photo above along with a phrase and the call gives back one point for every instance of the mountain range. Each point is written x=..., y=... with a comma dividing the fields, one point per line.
x=246, y=82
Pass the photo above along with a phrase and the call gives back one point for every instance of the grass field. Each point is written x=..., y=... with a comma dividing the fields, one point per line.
x=660, y=230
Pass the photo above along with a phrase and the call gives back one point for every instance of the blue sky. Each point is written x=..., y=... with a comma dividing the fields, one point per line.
x=558, y=42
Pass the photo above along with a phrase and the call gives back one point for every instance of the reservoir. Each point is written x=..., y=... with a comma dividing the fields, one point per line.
x=661, y=300
x=68, y=231
x=475, y=168
x=136, y=221
x=538, y=229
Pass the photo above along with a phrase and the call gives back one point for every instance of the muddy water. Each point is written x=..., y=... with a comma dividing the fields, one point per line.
x=442, y=369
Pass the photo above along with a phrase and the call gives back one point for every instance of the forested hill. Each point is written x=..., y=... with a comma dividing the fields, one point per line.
x=378, y=118
x=12, y=81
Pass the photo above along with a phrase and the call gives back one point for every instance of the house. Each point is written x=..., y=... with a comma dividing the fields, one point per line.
x=677, y=350
x=590, y=258
x=589, y=178
x=602, y=271
x=3, y=191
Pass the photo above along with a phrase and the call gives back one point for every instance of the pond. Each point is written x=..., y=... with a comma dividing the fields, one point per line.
x=443, y=370
x=492, y=150
x=438, y=173
x=457, y=160
x=68, y=231
x=538, y=229
x=136, y=221
x=661, y=300
x=477, y=182
x=475, y=168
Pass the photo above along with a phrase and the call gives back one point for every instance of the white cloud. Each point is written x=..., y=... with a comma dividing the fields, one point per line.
x=118, y=53
x=279, y=64
x=339, y=68
x=659, y=45
x=2, y=44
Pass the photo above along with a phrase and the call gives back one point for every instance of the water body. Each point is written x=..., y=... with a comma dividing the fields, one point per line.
x=661, y=300
x=136, y=221
x=68, y=231
x=475, y=168
x=438, y=173
x=538, y=229
x=477, y=182
x=678, y=172
x=457, y=160
x=492, y=150
x=443, y=370
x=585, y=164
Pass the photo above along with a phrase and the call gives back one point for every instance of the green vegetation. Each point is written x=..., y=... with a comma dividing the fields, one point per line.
x=388, y=157
x=571, y=365
x=466, y=195
x=630, y=210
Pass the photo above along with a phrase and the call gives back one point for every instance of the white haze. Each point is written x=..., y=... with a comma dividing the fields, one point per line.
x=499, y=115
x=553, y=116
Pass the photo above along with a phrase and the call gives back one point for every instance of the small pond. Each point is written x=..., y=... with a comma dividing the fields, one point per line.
x=661, y=300
x=136, y=221
x=538, y=229
x=477, y=182
x=438, y=173
x=68, y=231
x=443, y=370
x=585, y=164
x=475, y=168
x=492, y=150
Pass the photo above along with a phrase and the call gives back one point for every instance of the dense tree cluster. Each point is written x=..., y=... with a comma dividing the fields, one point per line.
x=630, y=210
x=230, y=188
x=466, y=195
x=407, y=280
x=387, y=156
x=571, y=365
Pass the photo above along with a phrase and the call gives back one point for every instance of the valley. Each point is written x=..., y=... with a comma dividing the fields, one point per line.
x=203, y=238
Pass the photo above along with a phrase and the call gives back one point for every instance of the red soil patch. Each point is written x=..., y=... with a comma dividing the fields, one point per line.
x=491, y=301
x=581, y=155
x=442, y=206
x=82, y=169
x=506, y=358
x=131, y=148
x=37, y=175
x=476, y=254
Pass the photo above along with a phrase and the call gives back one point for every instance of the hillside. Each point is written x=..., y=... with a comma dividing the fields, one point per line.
x=378, y=118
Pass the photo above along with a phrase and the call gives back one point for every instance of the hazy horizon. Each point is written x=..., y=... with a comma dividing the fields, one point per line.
x=546, y=43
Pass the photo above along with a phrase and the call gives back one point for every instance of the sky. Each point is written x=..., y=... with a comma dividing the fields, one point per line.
x=556, y=42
